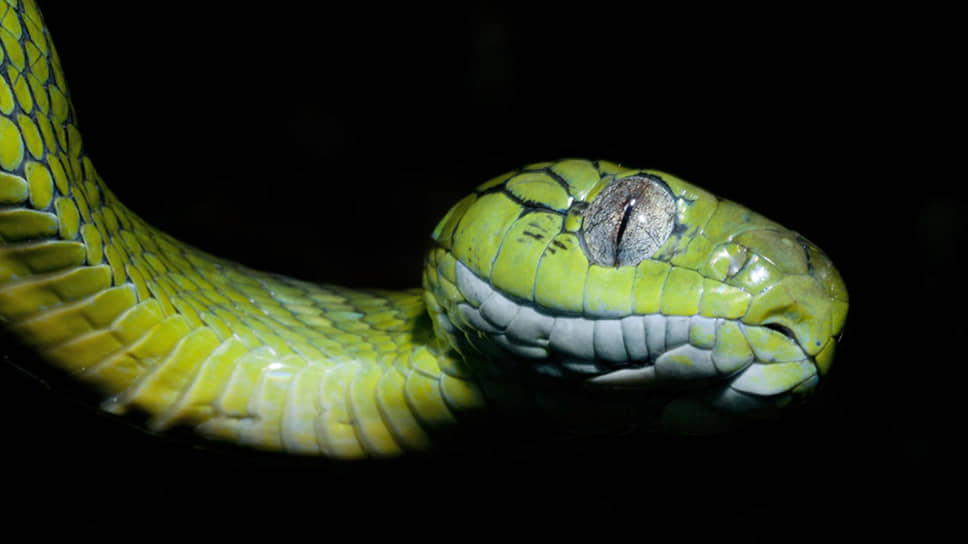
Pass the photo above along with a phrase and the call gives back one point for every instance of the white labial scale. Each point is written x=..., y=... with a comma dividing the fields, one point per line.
x=655, y=332
x=499, y=310
x=530, y=326
x=742, y=403
x=473, y=316
x=727, y=364
x=706, y=327
x=731, y=360
x=677, y=331
x=609, y=343
x=783, y=351
x=808, y=385
x=790, y=352
x=627, y=377
x=578, y=365
x=474, y=289
x=773, y=378
x=685, y=362
x=574, y=337
x=522, y=350
x=633, y=334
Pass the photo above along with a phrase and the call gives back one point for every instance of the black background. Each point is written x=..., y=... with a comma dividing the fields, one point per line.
x=326, y=144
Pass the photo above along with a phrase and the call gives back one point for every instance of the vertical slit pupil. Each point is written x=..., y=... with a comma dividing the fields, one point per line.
x=622, y=226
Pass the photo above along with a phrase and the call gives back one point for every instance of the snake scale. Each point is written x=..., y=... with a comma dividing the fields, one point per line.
x=574, y=295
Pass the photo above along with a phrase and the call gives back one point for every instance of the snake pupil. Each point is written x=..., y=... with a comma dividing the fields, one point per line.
x=628, y=221
x=622, y=226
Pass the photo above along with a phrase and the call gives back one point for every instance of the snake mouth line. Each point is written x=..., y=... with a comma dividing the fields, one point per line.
x=634, y=351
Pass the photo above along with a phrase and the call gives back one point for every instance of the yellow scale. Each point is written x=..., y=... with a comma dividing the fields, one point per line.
x=280, y=364
x=186, y=337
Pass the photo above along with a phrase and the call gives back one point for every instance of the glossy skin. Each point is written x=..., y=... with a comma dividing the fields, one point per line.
x=731, y=317
x=278, y=364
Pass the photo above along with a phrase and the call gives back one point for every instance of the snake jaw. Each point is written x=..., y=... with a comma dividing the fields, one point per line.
x=758, y=391
x=633, y=352
x=549, y=272
x=793, y=325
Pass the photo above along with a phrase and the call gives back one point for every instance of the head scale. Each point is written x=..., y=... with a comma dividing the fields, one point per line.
x=596, y=277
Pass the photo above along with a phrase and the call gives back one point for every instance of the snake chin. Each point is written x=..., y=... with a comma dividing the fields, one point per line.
x=758, y=392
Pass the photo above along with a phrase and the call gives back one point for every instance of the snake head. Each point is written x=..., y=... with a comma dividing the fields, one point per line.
x=594, y=276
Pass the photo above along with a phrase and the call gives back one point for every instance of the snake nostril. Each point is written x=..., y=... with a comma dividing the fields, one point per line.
x=782, y=329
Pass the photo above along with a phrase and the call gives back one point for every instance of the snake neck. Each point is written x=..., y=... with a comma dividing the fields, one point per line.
x=185, y=337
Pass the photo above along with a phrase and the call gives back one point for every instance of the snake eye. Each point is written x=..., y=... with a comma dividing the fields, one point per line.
x=628, y=221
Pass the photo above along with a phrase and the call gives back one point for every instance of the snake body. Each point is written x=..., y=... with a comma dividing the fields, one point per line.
x=573, y=294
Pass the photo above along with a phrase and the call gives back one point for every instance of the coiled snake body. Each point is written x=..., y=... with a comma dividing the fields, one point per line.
x=575, y=294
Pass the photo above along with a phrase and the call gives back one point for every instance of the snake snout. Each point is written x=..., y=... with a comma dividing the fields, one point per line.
x=792, y=326
x=805, y=300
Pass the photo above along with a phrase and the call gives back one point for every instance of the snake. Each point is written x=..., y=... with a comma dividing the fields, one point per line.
x=571, y=296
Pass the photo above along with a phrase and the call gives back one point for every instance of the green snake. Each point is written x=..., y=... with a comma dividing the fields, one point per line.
x=574, y=295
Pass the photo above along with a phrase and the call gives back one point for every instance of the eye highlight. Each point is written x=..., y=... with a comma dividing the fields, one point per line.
x=628, y=221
